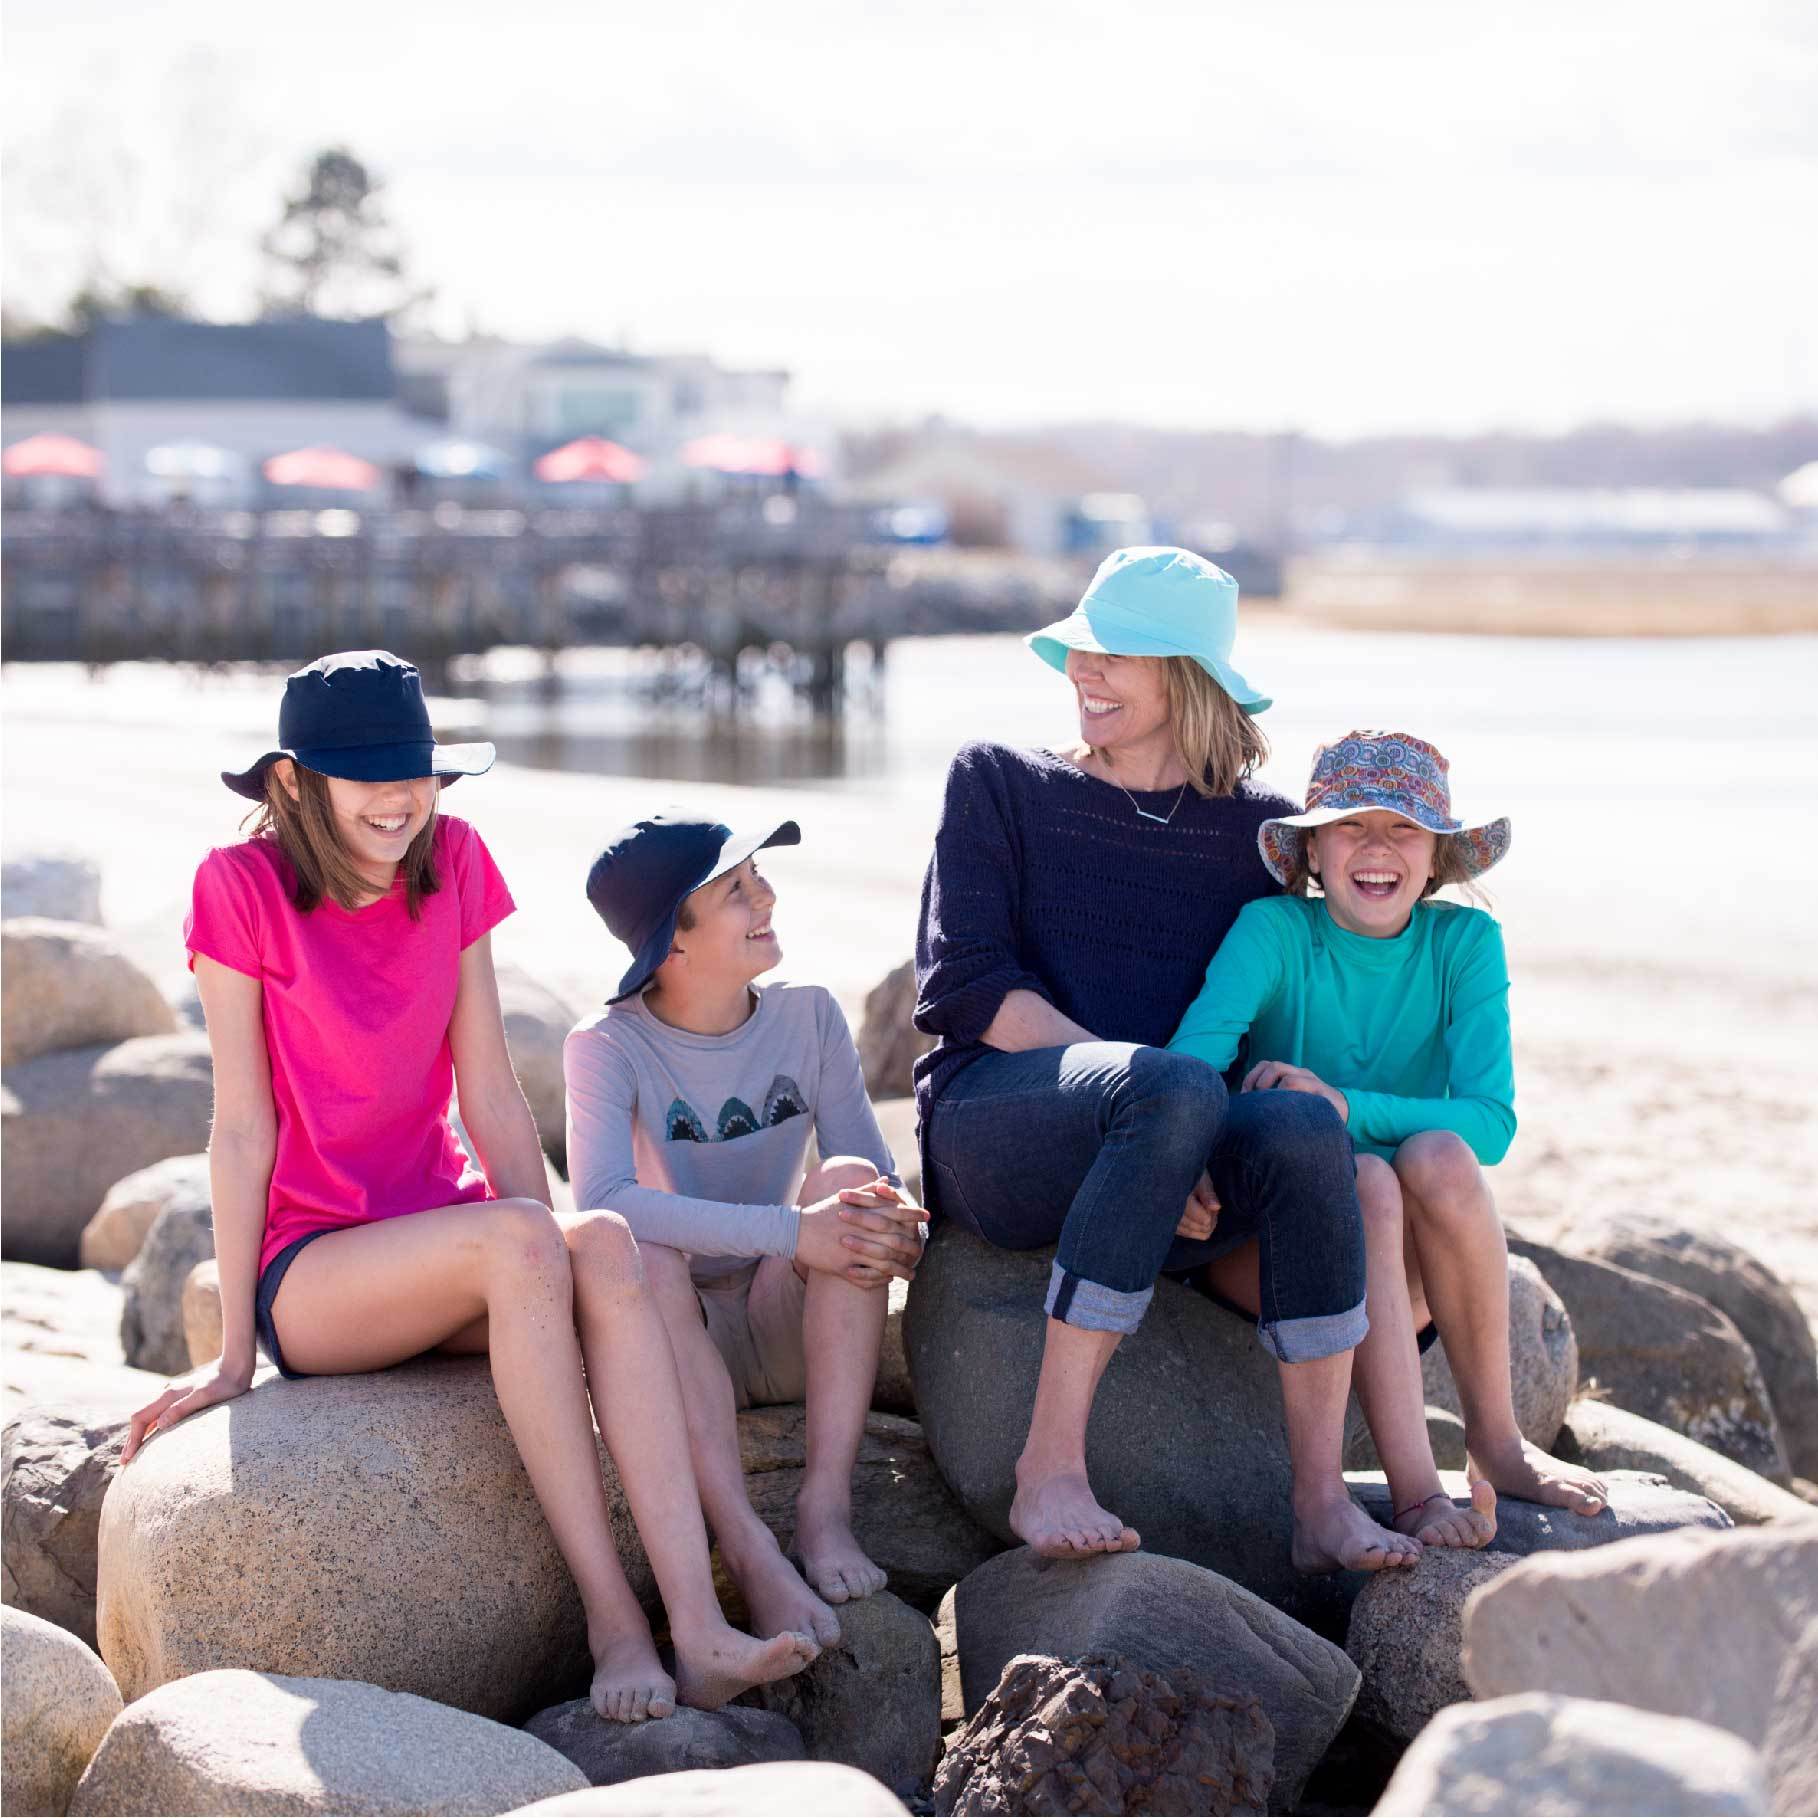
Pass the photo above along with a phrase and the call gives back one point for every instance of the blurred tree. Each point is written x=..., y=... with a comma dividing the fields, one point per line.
x=100, y=298
x=334, y=252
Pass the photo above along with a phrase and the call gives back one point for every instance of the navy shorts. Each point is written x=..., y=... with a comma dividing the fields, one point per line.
x=271, y=1278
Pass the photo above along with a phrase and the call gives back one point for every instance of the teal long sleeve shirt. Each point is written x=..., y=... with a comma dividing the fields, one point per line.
x=1413, y=1030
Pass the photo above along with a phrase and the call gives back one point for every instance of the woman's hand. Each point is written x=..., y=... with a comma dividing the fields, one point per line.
x=188, y=1394
x=1269, y=1076
x=1202, y=1211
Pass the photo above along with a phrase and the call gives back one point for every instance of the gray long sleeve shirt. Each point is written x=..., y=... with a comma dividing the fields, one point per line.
x=698, y=1141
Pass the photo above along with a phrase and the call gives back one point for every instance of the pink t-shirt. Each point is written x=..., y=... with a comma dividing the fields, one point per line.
x=357, y=1006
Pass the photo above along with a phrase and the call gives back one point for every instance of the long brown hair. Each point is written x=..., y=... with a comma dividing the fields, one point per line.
x=1217, y=742
x=303, y=826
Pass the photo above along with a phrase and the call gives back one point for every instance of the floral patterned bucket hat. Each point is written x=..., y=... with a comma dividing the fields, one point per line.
x=1391, y=770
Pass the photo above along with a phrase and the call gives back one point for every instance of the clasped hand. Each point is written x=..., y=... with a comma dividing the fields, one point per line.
x=870, y=1235
x=1278, y=1076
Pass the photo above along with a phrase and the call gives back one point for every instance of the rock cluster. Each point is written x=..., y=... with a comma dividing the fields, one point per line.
x=1103, y=1734
x=411, y=1601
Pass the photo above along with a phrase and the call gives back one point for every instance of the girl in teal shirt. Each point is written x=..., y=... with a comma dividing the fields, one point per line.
x=1394, y=1008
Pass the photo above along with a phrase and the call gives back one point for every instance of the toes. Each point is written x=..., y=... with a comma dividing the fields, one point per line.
x=638, y=1706
x=662, y=1704
x=1128, y=1540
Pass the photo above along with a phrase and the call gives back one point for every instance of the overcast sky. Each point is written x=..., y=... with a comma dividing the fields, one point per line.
x=1340, y=217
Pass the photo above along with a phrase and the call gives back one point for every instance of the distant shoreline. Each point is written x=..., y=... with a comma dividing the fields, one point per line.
x=1549, y=596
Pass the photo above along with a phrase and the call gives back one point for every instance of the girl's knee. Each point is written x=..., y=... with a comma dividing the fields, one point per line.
x=1439, y=1170
x=1379, y=1199
x=521, y=1237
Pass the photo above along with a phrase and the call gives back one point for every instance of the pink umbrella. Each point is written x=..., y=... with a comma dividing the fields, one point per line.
x=589, y=458
x=726, y=453
x=62, y=456
x=325, y=469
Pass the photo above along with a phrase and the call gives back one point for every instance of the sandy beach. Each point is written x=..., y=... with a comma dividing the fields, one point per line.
x=1657, y=903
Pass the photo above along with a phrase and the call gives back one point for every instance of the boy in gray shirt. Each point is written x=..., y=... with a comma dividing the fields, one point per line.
x=691, y=1099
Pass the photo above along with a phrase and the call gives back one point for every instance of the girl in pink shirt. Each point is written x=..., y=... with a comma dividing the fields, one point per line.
x=343, y=958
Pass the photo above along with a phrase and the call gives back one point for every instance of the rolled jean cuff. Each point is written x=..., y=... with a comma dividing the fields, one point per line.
x=1074, y=1301
x=1308, y=1340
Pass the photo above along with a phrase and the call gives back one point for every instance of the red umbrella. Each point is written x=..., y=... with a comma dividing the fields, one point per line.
x=727, y=453
x=326, y=469
x=590, y=458
x=63, y=456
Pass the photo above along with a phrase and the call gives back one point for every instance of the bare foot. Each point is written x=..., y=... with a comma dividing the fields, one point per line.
x=1523, y=1470
x=779, y=1602
x=1439, y=1522
x=713, y=1667
x=629, y=1683
x=833, y=1562
x=1335, y=1535
x=1060, y=1518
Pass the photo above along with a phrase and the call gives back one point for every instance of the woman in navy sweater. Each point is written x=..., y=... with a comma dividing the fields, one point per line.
x=1068, y=915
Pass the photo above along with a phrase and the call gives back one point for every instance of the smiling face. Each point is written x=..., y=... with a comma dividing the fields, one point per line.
x=1123, y=703
x=1373, y=867
x=728, y=940
x=375, y=822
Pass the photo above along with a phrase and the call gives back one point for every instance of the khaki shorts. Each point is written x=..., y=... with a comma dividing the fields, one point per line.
x=755, y=1321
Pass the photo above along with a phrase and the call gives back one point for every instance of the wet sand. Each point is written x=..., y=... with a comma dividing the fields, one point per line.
x=1658, y=905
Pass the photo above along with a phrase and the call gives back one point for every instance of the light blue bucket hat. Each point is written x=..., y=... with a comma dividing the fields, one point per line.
x=1155, y=602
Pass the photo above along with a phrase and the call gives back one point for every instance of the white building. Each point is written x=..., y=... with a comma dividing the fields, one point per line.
x=149, y=383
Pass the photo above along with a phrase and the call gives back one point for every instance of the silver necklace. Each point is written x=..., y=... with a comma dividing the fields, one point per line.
x=1161, y=819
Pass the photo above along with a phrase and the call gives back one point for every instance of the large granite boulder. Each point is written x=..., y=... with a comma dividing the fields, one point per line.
x=1186, y=1438
x=398, y=1542
x=117, y=1233
x=253, y=1743
x=889, y=1044
x=60, y=1340
x=1608, y=1438
x=392, y=1529
x=1739, y=1284
x=1406, y=1636
x=55, y=1467
x=56, y=1701
x=75, y=1122
x=151, y=1323
x=609, y=1752
x=537, y=1022
x=1544, y=1358
x=68, y=985
x=1539, y=1755
x=1666, y=1355
x=1714, y=1627
x=873, y=1700
x=1104, y=1734
x=770, y=1789
x=1640, y=1503
x=904, y=1515
x=1162, y=1614
x=59, y=886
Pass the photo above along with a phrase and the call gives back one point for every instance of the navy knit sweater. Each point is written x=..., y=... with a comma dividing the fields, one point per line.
x=1045, y=879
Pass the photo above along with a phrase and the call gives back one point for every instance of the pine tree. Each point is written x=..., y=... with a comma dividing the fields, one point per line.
x=334, y=252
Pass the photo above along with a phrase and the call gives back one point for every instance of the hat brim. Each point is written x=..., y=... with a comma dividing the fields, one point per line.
x=1075, y=632
x=1480, y=844
x=732, y=854
x=370, y=764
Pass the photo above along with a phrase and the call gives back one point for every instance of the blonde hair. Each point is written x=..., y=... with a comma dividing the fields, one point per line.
x=1217, y=742
x=303, y=827
x=1449, y=867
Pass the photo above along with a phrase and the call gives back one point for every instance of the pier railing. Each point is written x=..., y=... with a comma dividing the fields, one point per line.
x=217, y=586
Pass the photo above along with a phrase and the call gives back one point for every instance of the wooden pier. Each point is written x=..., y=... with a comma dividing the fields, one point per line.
x=97, y=587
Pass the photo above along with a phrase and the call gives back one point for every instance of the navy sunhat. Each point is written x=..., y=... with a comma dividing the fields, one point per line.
x=359, y=714
x=637, y=883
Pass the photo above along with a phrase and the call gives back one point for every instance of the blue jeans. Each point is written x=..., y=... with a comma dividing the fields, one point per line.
x=1096, y=1147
